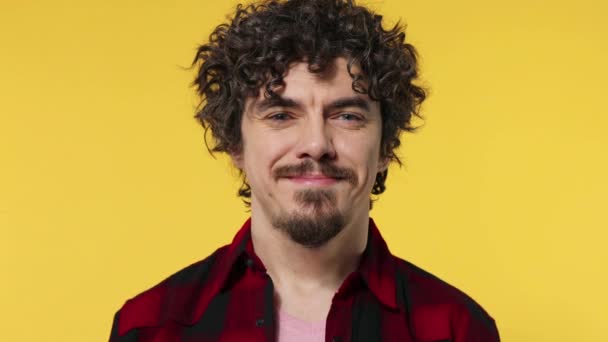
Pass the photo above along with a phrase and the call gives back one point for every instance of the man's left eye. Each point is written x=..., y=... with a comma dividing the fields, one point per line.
x=349, y=117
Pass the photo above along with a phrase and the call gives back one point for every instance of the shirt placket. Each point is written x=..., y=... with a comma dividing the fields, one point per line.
x=338, y=325
x=262, y=301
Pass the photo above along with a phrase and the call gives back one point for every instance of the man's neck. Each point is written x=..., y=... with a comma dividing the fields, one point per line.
x=301, y=273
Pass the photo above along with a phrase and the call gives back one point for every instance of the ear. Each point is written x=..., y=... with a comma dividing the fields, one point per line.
x=383, y=164
x=237, y=159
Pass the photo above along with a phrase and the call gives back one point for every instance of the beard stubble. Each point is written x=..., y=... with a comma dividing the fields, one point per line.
x=319, y=220
x=317, y=223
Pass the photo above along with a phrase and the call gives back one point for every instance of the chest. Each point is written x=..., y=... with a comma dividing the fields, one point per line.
x=247, y=313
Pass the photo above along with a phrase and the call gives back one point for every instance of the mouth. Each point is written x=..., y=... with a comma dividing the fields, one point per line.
x=313, y=180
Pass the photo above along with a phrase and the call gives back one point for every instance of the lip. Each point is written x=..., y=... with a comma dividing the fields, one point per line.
x=313, y=180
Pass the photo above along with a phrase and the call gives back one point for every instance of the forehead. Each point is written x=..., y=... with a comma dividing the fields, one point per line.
x=315, y=88
x=335, y=74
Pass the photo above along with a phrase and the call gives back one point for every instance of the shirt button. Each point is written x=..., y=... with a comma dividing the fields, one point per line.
x=259, y=322
x=249, y=262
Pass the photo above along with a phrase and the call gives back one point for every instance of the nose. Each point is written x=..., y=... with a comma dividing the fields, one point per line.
x=315, y=141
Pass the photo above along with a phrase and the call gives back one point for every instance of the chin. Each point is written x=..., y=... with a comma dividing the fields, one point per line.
x=311, y=229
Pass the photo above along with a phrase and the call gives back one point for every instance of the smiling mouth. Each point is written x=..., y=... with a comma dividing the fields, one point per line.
x=313, y=180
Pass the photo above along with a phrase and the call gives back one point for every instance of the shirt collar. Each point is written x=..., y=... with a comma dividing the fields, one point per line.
x=377, y=270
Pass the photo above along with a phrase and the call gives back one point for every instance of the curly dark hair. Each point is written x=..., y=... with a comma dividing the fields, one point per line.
x=262, y=39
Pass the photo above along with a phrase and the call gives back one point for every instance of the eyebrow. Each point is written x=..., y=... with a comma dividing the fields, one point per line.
x=285, y=102
x=276, y=101
x=347, y=102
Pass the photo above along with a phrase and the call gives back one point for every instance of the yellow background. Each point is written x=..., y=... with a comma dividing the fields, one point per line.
x=106, y=186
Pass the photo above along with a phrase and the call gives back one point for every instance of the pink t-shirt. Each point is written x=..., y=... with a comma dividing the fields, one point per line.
x=291, y=329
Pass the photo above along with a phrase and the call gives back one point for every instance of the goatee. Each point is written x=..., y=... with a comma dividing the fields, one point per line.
x=317, y=223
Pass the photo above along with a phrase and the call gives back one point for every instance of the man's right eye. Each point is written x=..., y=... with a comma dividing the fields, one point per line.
x=281, y=116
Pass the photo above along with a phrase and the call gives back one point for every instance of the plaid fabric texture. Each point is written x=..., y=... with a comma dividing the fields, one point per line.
x=228, y=297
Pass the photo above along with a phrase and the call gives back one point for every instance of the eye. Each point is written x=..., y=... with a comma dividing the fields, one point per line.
x=280, y=116
x=349, y=117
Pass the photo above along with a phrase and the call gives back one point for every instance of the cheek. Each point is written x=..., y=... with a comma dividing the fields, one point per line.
x=262, y=154
x=360, y=154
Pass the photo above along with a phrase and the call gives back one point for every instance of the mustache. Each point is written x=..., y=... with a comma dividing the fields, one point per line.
x=307, y=166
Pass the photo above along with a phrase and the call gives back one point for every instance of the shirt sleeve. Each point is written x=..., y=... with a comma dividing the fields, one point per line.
x=131, y=336
x=476, y=326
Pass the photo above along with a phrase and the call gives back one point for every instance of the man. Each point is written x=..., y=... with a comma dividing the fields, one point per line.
x=308, y=97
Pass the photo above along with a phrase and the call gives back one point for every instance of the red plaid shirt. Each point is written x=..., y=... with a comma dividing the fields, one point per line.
x=228, y=297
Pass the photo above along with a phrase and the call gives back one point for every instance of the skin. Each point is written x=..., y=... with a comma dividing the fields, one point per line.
x=311, y=126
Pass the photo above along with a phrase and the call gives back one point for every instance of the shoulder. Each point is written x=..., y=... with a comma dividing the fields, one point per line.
x=438, y=308
x=166, y=300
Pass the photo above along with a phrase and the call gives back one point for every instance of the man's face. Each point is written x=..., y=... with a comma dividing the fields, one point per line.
x=312, y=154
